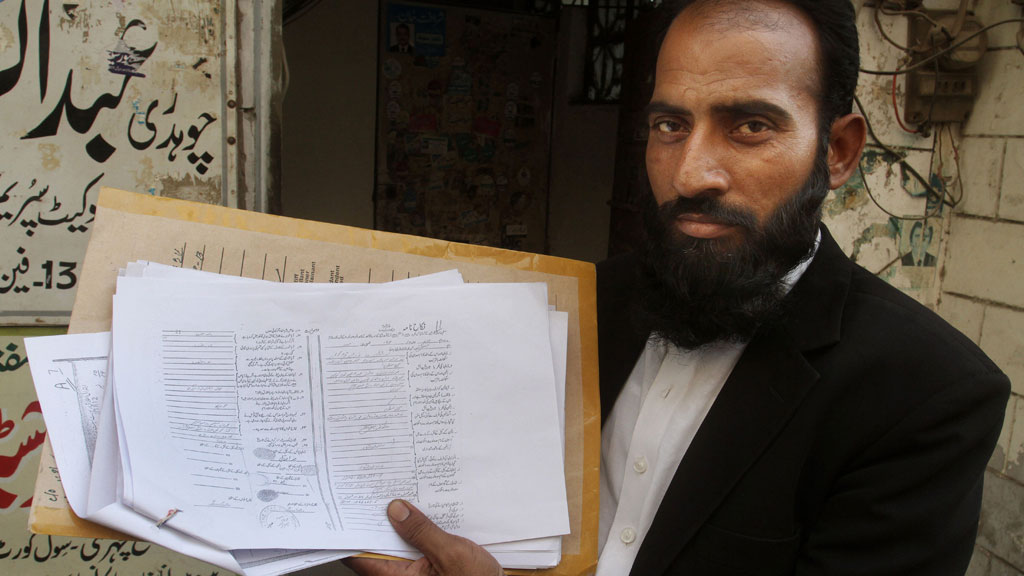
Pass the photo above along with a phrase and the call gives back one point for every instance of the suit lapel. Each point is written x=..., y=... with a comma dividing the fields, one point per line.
x=759, y=397
x=762, y=393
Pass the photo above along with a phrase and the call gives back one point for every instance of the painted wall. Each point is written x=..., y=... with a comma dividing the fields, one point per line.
x=329, y=111
x=582, y=154
x=982, y=292
x=976, y=280
x=98, y=94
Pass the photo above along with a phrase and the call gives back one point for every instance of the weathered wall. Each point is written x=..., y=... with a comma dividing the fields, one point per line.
x=582, y=154
x=329, y=112
x=977, y=281
x=983, y=288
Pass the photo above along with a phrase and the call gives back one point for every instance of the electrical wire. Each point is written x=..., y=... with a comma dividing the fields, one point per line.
x=940, y=53
x=885, y=35
x=918, y=13
x=940, y=196
x=896, y=109
x=956, y=162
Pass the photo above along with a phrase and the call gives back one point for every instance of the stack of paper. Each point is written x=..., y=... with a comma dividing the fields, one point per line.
x=264, y=427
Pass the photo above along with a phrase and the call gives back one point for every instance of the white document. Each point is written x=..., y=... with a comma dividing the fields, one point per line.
x=63, y=365
x=70, y=374
x=272, y=421
x=537, y=552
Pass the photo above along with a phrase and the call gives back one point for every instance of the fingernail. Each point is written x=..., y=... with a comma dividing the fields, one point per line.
x=398, y=511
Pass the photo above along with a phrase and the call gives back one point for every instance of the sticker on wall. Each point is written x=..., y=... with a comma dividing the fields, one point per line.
x=918, y=244
x=434, y=145
x=510, y=109
x=395, y=90
x=392, y=69
x=524, y=176
x=394, y=109
x=410, y=200
x=512, y=91
x=423, y=123
x=517, y=230
x=461, y=82
x=508, y=137
x=416, y=30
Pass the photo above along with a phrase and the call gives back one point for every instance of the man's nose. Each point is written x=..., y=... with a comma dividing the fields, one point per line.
x=702, y=167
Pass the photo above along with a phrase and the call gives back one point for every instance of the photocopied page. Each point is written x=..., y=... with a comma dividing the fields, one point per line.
x=424, y=387
x=182, y=236
x=70, y=373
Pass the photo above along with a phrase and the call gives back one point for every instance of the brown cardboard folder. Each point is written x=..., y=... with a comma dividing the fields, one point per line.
x=132, y=227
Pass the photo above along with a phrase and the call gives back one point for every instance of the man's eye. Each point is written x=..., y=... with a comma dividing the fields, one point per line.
x=667, y=126
x=752, y=127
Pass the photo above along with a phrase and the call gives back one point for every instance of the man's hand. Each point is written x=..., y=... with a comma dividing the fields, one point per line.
x=443, y=554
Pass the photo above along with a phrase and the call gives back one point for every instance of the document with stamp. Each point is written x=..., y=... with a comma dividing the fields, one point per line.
x=254, y=443
x=294, y=419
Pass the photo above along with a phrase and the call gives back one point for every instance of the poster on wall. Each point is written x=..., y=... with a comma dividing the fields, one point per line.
x=22, y=434
x=464, y=124
x=106, y=93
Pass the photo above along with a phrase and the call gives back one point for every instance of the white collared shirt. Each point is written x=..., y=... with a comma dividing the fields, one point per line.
x=654, y=420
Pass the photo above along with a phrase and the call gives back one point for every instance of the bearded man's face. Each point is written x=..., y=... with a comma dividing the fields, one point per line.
x=697, y=290
x=738, y=165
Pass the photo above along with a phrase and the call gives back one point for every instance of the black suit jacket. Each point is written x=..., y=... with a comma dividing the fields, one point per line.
x=850, y=439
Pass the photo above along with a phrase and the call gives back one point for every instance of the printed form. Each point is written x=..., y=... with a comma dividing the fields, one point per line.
x=294, y=420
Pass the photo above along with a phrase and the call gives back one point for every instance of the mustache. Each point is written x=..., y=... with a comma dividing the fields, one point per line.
x=709, y=206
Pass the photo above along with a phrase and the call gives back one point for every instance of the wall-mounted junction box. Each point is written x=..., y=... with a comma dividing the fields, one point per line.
x=944, y=89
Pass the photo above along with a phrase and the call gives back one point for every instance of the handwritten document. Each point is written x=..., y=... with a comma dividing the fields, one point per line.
x=294, y=420
x=63, y=365
x=76, y=451
x=198, y=237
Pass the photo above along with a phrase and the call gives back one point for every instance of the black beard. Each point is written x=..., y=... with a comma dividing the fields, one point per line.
x=695, y=291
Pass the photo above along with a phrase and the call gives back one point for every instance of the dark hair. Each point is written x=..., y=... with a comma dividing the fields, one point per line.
x=836, y=25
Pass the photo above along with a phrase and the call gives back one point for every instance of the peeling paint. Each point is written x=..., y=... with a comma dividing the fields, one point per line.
x=870, y=234
x=852, y=196
x=189, y=188
x=7, y=38
x=76, y=17
x=50, y=156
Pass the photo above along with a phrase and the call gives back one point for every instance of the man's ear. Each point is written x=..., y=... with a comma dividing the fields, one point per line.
x=846, y=142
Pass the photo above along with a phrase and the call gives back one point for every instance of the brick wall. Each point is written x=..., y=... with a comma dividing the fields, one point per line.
x=977, y=283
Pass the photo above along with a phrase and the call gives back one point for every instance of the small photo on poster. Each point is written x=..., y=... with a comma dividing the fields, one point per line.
x=401, y=38
x=416, y=30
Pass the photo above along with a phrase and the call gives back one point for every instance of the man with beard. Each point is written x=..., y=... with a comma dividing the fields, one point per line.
x=769, y=407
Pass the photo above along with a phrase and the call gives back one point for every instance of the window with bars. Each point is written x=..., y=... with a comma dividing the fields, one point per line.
x=606, y=37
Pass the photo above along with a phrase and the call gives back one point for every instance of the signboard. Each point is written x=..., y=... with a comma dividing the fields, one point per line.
x=106, y=93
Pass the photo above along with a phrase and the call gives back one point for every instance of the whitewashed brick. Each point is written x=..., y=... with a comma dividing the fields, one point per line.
x=997, y=110
x=1009, y=451
x=981, y=160
x=979, y=563
x=965, y=315
x=1011, y=203
x=1002, y=508
x=992, y=11
x=875, y=92
x=1002, y=338
x=986, y=260
x=1000, y=568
